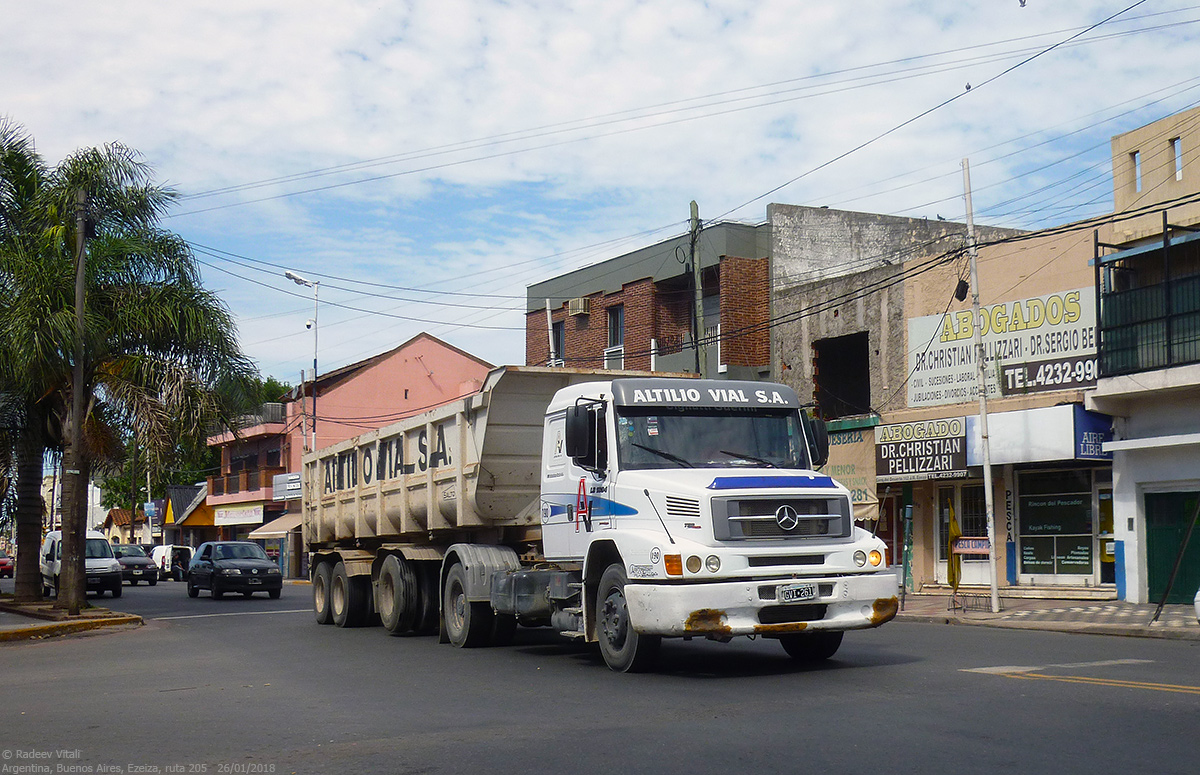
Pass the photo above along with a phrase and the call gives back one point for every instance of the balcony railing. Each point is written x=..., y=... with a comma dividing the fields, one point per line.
x=243, y=481
x=1151, y=327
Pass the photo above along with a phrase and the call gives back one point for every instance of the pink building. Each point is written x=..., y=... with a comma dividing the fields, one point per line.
x=422, y=373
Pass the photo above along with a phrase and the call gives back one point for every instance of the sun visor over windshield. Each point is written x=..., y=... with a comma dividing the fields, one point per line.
x=703, y=393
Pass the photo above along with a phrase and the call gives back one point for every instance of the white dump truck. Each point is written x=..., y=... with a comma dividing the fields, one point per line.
x=615, y=508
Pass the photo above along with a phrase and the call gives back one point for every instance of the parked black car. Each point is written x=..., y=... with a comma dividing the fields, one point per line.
x=135, y=564
x=233, y=566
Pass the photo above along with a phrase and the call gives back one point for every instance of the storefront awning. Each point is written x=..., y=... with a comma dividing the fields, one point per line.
x=277, y=528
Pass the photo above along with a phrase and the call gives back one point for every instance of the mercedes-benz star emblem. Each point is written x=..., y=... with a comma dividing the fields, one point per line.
x=787, y=518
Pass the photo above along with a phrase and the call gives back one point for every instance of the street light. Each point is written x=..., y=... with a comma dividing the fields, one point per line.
x=316, y=286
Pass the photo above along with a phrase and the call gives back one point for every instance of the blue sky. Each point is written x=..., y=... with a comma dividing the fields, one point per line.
x=426, y=161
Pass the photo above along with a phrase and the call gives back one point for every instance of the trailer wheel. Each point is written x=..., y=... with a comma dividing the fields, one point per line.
x=427, y=580
x=468, y=624
x=811, y=646
x=320, y=588
x=349, y=598
x=624, y=649
x=398, y=597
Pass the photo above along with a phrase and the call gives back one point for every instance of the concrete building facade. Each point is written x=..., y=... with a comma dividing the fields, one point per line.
x=1147, y=276
x=1091, y=377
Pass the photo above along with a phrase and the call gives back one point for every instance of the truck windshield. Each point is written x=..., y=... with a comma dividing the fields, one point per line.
x=669, y=437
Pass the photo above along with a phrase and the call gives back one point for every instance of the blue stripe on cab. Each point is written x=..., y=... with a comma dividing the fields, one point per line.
x=765, y=482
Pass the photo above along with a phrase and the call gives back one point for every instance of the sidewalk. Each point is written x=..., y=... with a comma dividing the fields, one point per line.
x=1097, y=617
x=30, y=621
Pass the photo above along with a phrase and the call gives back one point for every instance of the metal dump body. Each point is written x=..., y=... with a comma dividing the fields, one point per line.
x=467, y=466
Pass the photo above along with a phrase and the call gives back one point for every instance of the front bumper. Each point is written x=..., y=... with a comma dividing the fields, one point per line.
x=726, y=609
x=140, y=574
x=246, y=583
x=104, y=580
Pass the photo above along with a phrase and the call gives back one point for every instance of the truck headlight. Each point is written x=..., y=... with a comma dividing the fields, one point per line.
x=693, y=564
x=875, y=558
x=713, y=563
x=860, y=558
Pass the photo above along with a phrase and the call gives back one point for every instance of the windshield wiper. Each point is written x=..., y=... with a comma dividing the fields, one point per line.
x=667, y=455
x=751, y=458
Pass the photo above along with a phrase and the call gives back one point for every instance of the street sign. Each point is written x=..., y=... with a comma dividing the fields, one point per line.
x=968, y=545
x=286, y=487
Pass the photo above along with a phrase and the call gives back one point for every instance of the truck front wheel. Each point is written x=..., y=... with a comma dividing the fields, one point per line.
x=468, y=624
x=811, y=646
x=623, y=648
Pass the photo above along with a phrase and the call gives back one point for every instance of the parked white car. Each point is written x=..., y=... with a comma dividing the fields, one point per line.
x=1196, y=603
x=103, y=570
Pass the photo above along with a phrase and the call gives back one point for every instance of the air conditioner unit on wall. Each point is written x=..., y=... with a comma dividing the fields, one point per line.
x=580, y=306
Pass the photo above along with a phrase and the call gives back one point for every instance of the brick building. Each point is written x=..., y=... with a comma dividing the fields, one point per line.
x=635, y=311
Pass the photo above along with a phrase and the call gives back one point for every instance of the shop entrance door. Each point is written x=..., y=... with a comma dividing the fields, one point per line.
x=970, y=511
x=1167, y=515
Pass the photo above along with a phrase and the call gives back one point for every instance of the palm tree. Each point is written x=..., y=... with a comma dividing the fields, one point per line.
x=158, y=350
x=23, y=403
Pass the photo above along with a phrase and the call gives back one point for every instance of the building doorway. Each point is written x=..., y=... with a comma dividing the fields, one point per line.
x=970, y=510
x=1167, y=517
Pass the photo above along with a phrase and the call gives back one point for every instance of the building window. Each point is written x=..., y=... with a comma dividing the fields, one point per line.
x=842, y=376
x=558, y=335
x=614, y=354
x=1177, y=157
x=1135, y=160
x=1056, y=530
x=616, y=326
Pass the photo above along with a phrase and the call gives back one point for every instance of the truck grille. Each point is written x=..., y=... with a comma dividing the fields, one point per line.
x=737, y=519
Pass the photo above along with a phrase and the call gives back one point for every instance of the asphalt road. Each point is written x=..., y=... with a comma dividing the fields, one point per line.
x=238, y=685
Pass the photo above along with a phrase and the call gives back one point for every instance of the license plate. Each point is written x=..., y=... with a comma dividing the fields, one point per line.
x=255, y=581
x=93, y=580
x=137, y=573
x=793, y=593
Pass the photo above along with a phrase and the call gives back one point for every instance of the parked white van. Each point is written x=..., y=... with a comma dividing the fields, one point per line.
x=103, y=570
x=172, y=561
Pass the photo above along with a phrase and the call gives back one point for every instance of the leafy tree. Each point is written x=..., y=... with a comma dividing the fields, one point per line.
x=159, y=352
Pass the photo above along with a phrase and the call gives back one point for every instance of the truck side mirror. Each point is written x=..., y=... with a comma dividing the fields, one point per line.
x=817, y=435
x=578, y=432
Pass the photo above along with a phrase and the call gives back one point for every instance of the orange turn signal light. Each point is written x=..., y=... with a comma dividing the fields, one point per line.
x=674, y=564
x=875, y=557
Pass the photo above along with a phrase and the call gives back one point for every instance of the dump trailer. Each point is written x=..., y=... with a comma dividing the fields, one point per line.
x=615, y=507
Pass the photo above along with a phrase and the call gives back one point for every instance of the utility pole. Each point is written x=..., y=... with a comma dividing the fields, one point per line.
x=981, y=372
x=698, y=311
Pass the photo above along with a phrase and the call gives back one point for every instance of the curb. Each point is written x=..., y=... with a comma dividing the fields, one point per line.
x=1077, y=628
x=38, y=631
x=51, y=624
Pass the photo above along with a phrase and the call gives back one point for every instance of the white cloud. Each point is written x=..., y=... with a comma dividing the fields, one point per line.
x=221, y=94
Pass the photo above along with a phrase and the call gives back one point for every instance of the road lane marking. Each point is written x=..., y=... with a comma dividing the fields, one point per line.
x=1032, y=672
x=1011, y=669
x=235, y=613
x=1176, y=688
